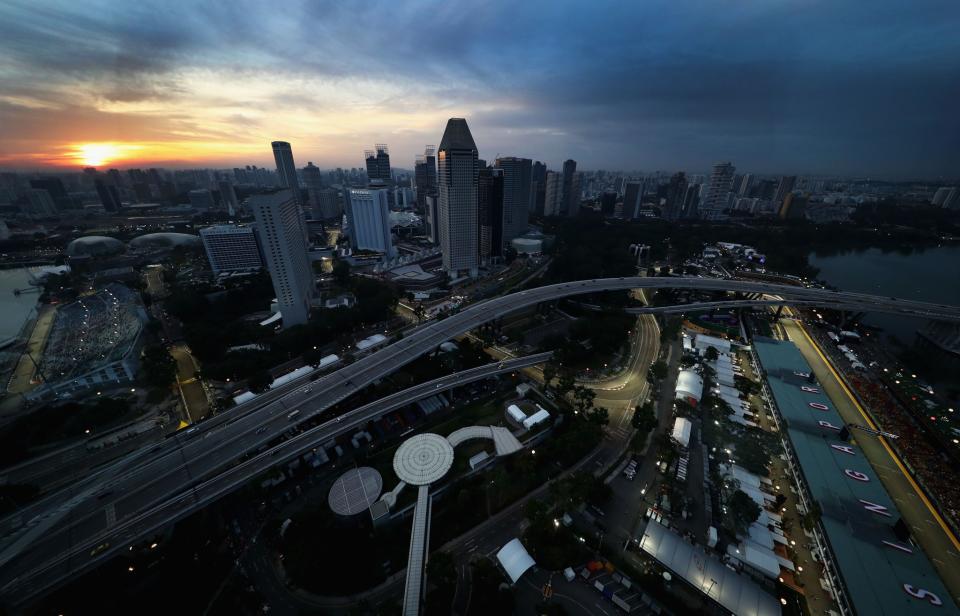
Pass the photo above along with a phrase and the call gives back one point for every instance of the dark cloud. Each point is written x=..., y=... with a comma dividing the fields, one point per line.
x=802, y=86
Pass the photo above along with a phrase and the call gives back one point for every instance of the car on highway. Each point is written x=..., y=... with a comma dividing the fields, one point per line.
x=100, y=548
x=261, y=429
x=292, y=414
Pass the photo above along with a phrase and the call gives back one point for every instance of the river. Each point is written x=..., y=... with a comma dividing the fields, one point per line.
x=930, y=275
x=15, y=309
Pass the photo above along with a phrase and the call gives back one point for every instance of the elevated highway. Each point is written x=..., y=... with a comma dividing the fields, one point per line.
x=167, y=474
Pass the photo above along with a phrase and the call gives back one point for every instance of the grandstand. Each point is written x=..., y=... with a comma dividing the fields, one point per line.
x=94, y=341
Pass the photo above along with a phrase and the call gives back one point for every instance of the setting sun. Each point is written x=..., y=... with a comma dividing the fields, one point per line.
x=96, y=154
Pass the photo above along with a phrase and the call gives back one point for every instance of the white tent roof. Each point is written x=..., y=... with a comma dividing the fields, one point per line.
x=538, y=417
x=516, y=413
x=689, y=384
x=681, y=431
x=515, y=559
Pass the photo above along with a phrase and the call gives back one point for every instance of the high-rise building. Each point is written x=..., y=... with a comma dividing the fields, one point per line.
x=571, y=194
x=378, y=163
x=328, y=204
x=516, y=195
x=952, y=200
x=490, y=216
x=538, y=178
x=286, y=168
x=608, y=202
x=941, y=195
x=54, y=186
x=457, y=165
x=718, y=192
x=553, y=194
x=425, y=176
x=39, y=204
x=231, y=248
x=280, y=228
x=370, y=216
x=432, y=218
x=676, y=194
x=784, y=188
x=691, y=202
x=632, y=199
x=314, y=183
x=201, y=200
x=743, y=188
x=403, y=198
x=228, y=196
x=109, y=195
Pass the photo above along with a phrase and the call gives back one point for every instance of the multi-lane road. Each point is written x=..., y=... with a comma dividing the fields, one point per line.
x=154, y=486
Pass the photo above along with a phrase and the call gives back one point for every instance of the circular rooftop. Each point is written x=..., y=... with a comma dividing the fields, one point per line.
x=354, y=491
x=423, y=459
x=165, y=241
x=96, y=246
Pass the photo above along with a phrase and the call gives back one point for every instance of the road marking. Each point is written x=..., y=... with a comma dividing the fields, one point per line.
x=883, y=441
x=111, y=512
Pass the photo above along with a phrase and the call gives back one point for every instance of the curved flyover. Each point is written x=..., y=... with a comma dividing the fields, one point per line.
x=215, y=445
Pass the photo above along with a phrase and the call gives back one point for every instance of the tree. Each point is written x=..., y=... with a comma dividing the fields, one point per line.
x=259, y=381
x=600, y=416
x=644, y=419
x=341, y=272
x=549, y=373
x=583, y=398
x=157, y=367
x=566, y=383
x=742, y=511
x=711, y=354
x=657, y=371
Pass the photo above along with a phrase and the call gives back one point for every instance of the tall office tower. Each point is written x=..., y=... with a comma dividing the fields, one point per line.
x=491, y=203
x=109, y=195
x=378, y=163
x=516, y=195
x=425, y=175
x=676, y=194
x=784, y=188
x=280, y=228
x=403, y=198
x=168, y=192
x=231, y=248
x=608, y=202
x=39, y=204
x=328, y=204
x=228, y=196
x=743, y=188
x=54, y=186
x=794, y=207
x=286, y=169
x=314, y=183
x=952, y=200
x=718, y=191
x=201, y=200
x=116, y=178
x=941, y=195
x=632, y=199
x=571, y=197
x=553, y=194
x=538, y=179
x=573, y=208
x=457, y=198
x=691, y=202
x=370, y=212
x=432, y=219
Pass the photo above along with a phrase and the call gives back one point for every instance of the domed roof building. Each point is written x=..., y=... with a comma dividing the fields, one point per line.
x=95, y=246
x=164, y=241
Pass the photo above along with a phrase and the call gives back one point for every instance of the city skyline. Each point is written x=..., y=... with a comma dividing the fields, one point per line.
x=810, y=90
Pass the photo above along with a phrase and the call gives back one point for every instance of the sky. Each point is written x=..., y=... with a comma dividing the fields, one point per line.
x=830, y=87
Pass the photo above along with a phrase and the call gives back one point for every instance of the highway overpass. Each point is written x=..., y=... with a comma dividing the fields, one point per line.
x=135, y=488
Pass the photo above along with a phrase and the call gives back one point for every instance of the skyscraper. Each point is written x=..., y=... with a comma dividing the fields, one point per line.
x=54, y=186
x=538, y=179
x=425, y=176
x=39, y=204
x=228, y=196
x=378, y=163
x=571, y=193
x=491, y=204
x=231, y=248
x=784, y=188
x=552, y=194
x=280, y=228
x=314, y=183
x=201, y=200
x=286, y=169
x=632, y=198
x=676, y=194
x=516, y=195
x=109, y=195
x=371, y=221
x=718, y=191
x=457, y=203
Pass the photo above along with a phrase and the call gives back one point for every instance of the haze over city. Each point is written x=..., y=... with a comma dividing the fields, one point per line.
x=781, y=87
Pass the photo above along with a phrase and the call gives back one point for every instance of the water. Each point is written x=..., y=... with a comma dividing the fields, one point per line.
x=930, y=275
x=14, y=309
